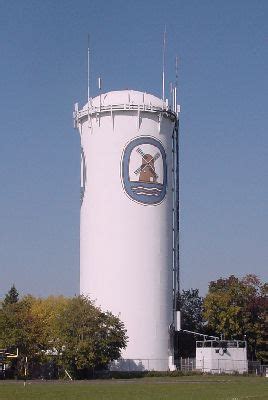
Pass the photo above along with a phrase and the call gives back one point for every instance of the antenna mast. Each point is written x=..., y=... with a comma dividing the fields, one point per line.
x=88, y=79
x=163, y=64
x=99, y=84
x=176, y=83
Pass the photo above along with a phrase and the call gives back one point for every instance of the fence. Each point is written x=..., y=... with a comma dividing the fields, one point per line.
x=187, y=365
x=222, y=366
x=131, y=365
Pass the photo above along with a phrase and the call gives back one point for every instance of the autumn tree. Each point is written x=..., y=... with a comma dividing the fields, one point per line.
x=72, y=331
x=20, y=327
x=237, y=308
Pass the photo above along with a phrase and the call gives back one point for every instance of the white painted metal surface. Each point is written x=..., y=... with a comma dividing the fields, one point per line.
x=178, y=320
x=126, y=232
x=223, y=356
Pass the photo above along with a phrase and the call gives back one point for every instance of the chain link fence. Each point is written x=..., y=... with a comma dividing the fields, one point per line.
x=188, y=365
x=223, y=366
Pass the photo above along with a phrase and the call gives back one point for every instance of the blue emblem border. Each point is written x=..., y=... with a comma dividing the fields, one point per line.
x=143, y=199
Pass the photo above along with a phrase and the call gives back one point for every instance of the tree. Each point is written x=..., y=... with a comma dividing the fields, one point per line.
x=191, y=306
x=19, y=327
x=72, y=332
x=12, y=296
x=237, y=308
x=89, y=338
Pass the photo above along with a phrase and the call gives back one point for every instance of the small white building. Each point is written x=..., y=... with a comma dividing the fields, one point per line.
x=217, y=356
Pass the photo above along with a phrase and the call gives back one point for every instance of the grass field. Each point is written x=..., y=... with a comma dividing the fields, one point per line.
x=179, y=388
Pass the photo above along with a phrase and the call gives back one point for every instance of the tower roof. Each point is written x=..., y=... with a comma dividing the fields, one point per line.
x=132, y=97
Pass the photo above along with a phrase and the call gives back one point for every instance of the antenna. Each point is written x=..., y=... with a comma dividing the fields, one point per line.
x=163, y=64
x=88, y=78
x=99, y=84
x=176, y=83
x=171, y=95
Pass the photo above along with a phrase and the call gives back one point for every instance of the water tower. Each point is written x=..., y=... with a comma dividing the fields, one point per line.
x=129, y=221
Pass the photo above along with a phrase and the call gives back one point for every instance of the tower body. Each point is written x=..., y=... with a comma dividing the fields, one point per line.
x=127, y=228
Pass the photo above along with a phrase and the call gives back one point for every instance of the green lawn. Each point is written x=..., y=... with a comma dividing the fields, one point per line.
x=179, y=388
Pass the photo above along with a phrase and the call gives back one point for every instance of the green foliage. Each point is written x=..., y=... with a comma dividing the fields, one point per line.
x=89, y=337
x=191, y=306
x=238, y=308
x=71, y=331
x=12, y=296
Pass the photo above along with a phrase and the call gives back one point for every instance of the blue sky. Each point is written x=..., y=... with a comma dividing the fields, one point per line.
x=223, y=91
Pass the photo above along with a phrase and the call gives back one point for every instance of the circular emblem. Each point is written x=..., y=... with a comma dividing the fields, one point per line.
x=83, y=176
x=144, y=170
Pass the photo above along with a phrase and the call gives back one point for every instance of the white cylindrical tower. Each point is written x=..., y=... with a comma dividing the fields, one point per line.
x=128, y=228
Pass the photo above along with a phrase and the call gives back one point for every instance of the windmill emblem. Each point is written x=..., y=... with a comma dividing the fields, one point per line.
x=147, y=168
x=144, y=170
